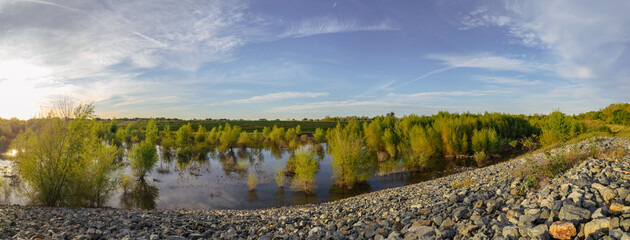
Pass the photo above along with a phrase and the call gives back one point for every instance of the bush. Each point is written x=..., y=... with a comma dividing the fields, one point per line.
x=319, y=135
x=143, y=158
x=306, y=166
x=348, y=155
x=480, y=158
x=64, y=163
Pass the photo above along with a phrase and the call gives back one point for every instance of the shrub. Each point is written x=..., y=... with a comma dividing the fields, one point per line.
x=64, y=163
x=306, y=166
x=480, y=158
x=348, y=155
x=143, y=158
x=252, y=181
x=319, y=135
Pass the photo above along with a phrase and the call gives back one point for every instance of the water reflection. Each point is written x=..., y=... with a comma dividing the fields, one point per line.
x=141, y=196
x=337, y=192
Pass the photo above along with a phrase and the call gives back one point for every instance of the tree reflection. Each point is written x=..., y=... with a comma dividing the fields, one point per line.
x=337, y=192
x=141, y=196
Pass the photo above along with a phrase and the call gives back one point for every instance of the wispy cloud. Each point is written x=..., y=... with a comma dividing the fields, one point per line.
x=273, y=97
x=483, y=61
x=333, y=106
x=328, y=24
x=474, y=93
x=588, y=40
x=508, y=81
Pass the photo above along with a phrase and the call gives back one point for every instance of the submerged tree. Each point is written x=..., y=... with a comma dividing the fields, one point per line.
x=64, y=163
x=348, y=154
x=305, y=168
x=144, y=154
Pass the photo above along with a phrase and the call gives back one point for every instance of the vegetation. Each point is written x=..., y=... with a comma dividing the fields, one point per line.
x=348, y=154
x=279, y=177
x=64, y=163
x=144, y=154
x=306, y=166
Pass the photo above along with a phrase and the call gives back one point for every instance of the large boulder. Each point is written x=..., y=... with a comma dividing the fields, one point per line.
x=562, y=230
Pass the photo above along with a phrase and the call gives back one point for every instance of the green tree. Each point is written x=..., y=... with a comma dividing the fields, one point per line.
x=305, y=168
x=319, y=135
x=64, y=163
x=143, y=158
x=348, y=155
x=151, y=132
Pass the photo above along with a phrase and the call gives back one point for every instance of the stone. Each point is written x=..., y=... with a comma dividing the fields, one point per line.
x=574, y=214
x=539, y=232
x=599, y=213
x=616, y=233
x=562, y=230
x=468, y=229
x=447, y=223
x=597, y=225
x=625, y=225
x=618, y=209
x=314, y=231
x=154, y=236
x=478, y=204
x=608, y=193
x=511, y=232
x=460, y=213
x=422, y=222
x=421, y=231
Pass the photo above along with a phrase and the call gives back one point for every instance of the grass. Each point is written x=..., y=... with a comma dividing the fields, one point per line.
x=462, y=184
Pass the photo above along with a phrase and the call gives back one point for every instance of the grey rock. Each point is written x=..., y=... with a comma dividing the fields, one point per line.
x=574, y=214
x=461, y=213
x=511, y=232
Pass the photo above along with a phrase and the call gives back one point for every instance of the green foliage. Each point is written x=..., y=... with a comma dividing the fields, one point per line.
x=485, y=140
x=560, y=128
x=201, y=135
x=348, y=155
x=306, y=166
x=229, y=137
x=621, y=117
x=480, y=158
x=151, y=132
x=184, y=136
x=319, y=135
x=143, y=158
x=64, y=163
x=243, y=139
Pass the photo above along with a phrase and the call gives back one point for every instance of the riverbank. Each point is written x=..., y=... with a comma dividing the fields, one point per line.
x=589, y=199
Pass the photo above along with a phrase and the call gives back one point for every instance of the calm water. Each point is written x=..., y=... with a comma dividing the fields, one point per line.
x=220, y=182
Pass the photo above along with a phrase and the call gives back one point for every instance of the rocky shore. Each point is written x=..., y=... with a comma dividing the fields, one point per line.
x=589, y=201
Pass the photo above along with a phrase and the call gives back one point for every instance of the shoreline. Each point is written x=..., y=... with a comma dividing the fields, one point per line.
x=482, y=207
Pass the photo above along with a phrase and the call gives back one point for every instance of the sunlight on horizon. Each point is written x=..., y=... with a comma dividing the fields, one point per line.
x=20, y=89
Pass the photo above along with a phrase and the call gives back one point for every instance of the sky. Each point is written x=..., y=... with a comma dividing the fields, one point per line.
x=311, y=59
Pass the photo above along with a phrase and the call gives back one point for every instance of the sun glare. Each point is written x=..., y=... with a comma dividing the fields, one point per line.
x=19, y=91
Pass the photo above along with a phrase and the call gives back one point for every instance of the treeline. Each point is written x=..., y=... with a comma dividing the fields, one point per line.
x=618, y=113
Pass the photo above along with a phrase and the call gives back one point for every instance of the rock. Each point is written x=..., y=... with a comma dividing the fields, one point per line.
x=562, y=230
x=539, y=232
x=314, y=231
x=574, y=214
x=154, y=236
x=461, y=213
x=468, y=229
x=510, y=232
x=618, y=209
x=422, y=222
x=449, y=223
x=421, y=231
x=597, y=225
x=478, y=204
x=608, y=194
x=625, y=225
x=616, y=233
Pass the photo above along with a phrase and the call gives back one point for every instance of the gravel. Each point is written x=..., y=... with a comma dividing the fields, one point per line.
x=491, y=207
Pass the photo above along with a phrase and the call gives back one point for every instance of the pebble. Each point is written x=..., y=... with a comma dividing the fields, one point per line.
x=588, y=201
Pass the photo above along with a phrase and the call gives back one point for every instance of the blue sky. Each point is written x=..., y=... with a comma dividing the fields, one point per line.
x=309, y=59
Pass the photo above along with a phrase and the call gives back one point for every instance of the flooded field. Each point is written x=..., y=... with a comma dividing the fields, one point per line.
x=220, y=182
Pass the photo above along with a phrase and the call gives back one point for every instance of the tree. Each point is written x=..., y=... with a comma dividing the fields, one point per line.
x=305, y=167
x=151, y=132
x=64, y=163
x=348, y=155
x=143, y=158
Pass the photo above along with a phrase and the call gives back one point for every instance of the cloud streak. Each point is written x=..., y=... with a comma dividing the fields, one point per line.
x=273, y=97
x=328, y=24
